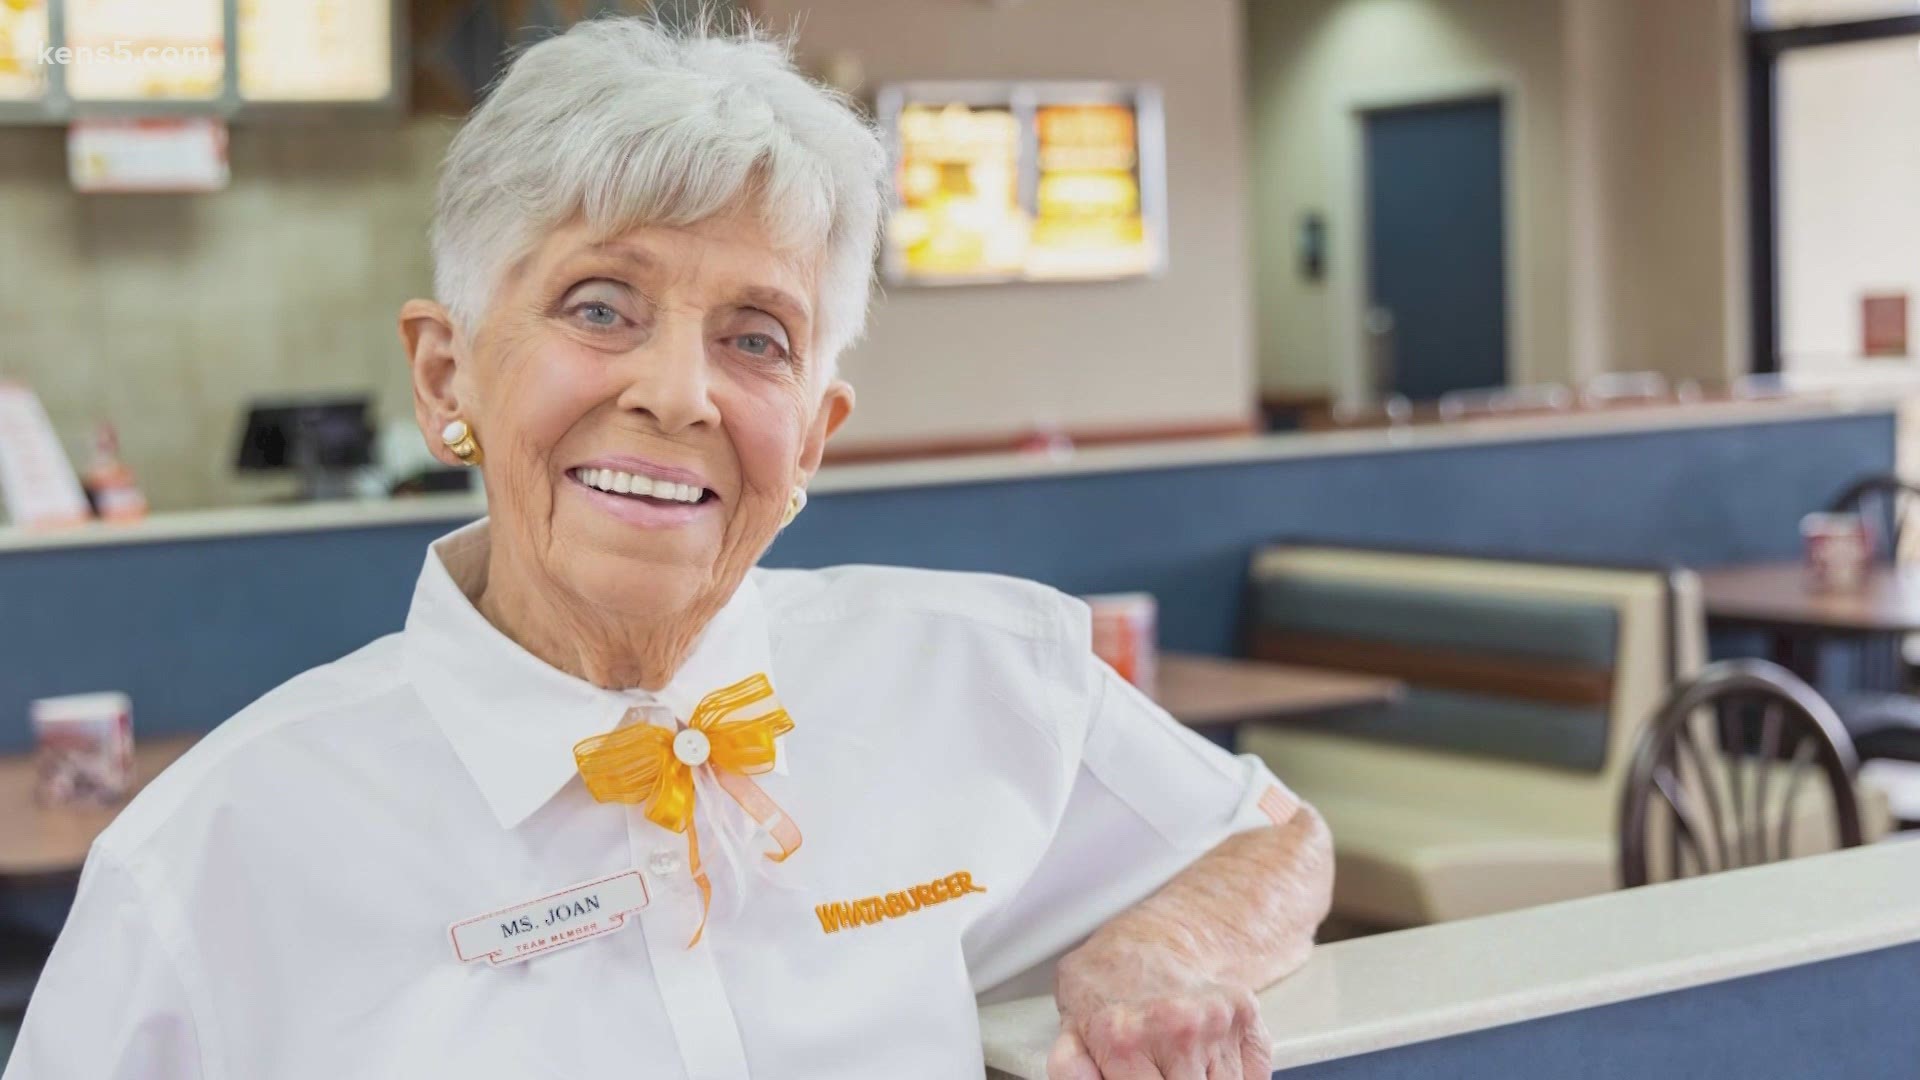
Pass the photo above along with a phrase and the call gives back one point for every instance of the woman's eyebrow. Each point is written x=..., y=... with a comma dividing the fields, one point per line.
x=775, y=301
x=627, y=253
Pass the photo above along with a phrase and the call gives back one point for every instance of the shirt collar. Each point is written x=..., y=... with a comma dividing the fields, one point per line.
x=513, y=719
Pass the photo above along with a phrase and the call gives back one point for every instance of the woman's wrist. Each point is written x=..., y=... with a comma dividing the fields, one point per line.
x=1129, y=958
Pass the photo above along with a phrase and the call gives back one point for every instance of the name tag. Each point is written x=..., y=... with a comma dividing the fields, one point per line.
x=575, y=914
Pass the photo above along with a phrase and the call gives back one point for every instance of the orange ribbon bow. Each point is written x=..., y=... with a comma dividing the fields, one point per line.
x=654, y=767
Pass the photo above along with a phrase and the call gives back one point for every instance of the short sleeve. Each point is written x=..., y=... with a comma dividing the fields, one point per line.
x=110, y=1004
x=1148, y=798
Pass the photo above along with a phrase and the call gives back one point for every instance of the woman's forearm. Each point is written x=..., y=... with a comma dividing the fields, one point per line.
x=1245, y=913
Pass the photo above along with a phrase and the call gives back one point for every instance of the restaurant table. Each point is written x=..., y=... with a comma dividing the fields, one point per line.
x=1774, y=597
x=48, y=841
x=1215, y=695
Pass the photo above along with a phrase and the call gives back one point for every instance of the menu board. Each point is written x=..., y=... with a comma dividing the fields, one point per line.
x=1024, y=182
x=23, y=34
x=174, y=153
x=316, y=50
x=959, y=212
x=145, y=50
x=1088, y=220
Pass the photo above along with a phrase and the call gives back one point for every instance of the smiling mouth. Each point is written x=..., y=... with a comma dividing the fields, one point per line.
x=641, y=488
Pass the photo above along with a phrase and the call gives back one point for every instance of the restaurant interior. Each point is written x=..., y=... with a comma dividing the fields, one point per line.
x=1522, y=393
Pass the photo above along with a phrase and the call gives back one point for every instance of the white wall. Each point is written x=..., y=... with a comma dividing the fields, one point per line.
x=1659, y=251
x=994, y=359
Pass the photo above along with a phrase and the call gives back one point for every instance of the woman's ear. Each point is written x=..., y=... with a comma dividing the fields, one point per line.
x=428, y=335
x=836, y=404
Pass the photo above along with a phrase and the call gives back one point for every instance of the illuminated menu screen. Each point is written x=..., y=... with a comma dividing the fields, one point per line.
x=23, y=33
x=959, y=213
x=1029, y=190
x=1088, y=221
x=315, y=50
x=144, y=50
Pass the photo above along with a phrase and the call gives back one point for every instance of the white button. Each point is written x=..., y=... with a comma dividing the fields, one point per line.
x=664, y=863
x=691, y=747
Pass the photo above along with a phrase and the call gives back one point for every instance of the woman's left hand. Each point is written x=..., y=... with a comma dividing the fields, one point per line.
x=1131, y=1010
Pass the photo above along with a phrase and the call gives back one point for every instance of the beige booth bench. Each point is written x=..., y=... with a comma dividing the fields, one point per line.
x=1495, y=784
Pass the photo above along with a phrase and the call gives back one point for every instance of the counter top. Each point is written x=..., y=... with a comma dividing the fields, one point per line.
x=1376, y=993
x=252, y=521
x=989, y=468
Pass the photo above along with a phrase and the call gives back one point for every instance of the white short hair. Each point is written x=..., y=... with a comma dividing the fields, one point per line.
x=624, y=122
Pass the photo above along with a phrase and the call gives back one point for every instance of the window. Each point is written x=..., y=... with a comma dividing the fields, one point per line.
x=1835, y=160
x=1786, y=13
x=1848, y=152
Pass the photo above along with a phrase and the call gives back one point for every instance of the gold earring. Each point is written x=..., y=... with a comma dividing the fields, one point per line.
x=459, y=438
x=796, y=502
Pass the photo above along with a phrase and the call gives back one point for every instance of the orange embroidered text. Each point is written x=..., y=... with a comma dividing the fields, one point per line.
x=839, y=916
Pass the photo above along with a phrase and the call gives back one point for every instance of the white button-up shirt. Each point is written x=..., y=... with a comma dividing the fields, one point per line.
x=278, y=904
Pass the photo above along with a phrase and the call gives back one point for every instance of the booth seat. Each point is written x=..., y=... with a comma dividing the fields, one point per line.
x=1494, y=784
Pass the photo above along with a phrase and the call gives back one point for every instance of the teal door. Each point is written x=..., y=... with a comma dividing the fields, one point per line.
x=1436, y=247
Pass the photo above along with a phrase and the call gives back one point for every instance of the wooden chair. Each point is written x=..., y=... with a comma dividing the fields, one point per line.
x=1700, y=794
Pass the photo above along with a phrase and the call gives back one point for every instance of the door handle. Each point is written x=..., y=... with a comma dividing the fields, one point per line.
x=1378, y=325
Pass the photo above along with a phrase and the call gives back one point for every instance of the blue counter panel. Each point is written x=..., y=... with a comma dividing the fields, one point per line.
x=1845, y=1019
x=195, y=630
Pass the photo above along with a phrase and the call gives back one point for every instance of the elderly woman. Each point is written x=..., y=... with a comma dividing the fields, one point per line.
x=617, y=803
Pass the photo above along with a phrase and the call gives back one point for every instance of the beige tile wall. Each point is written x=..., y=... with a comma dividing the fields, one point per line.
x=164, y=314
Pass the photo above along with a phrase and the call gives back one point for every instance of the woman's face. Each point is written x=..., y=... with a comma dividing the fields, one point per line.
x=670, y=365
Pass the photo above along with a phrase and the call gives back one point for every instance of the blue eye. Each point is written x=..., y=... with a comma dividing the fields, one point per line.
x=599, y=314
x=761, y=345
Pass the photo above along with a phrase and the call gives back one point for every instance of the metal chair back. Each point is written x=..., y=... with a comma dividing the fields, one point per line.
x=1888, y=503
x=1717, y=775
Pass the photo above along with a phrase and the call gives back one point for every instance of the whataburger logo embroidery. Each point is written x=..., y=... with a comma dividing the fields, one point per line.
x=842, y=915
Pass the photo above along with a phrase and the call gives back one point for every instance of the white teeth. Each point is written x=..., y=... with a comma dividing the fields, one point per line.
x=634, y=484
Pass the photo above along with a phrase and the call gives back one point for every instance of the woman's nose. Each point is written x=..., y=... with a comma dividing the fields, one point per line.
x=671, y=381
